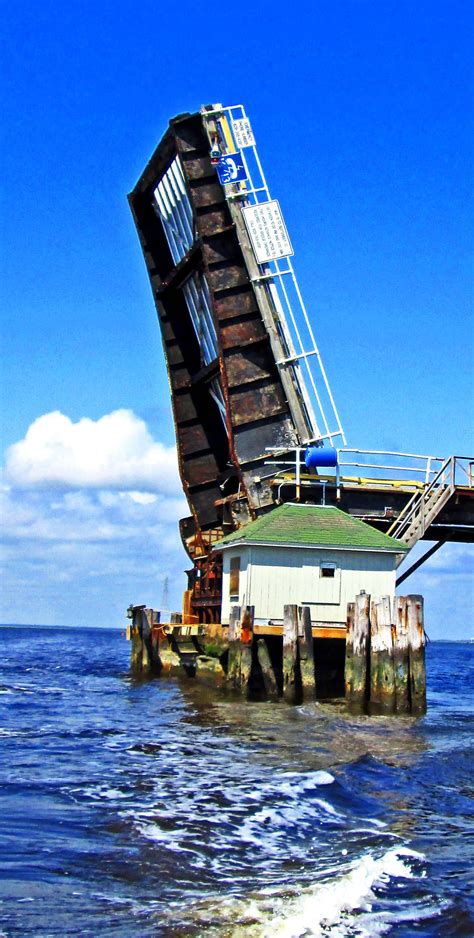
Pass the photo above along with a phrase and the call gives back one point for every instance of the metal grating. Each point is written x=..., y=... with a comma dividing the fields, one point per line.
x=198, y=301
x=174, y=208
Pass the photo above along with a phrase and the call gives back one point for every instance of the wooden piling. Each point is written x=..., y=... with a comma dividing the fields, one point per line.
x=306, y=654
x=137, y=653
x=416, y=651
x=382, y=674
x=268, y=674
x=137, y=644
x=146, y=639
x=348, y=676
x=290, y=653
x=233, y=667
x=246, y=648
x=156, y=662
x=401, y=655
x=144, y=655
x=356, y=683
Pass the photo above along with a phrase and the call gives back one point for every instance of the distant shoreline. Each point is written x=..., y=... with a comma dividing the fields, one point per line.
x=69, y=628
x=121, y=628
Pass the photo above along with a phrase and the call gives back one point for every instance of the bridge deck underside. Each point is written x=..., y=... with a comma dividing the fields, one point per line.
x=381, y=506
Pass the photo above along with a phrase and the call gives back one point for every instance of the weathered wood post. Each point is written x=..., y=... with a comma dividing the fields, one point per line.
x=358, y=642
x=268, y=674
x=137, y=641
x=246, y=648
x=306, y=654
x=348, y=676
x=147, y=649
x=416, y=650
x=156, y=663
x=290, y=653
x=140, y=657
x=382, y=674
x=233, y=666
x=146, y=639
x=401, y=655
x=144, y=655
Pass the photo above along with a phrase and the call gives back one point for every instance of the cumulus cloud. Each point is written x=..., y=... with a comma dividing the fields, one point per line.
x=452, y=555
x=115, y=452
x=86, y=516
x=90, y=516
x=446, y=581
x=81, y=556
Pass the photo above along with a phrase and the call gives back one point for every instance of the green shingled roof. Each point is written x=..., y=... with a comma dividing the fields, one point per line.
x=312, y=526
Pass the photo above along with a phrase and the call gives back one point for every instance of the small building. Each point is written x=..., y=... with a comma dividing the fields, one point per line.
x=309, y=555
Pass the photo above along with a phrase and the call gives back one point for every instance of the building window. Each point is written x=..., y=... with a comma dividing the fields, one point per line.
x=174, y=209
x=327, y=570
x=234, y=578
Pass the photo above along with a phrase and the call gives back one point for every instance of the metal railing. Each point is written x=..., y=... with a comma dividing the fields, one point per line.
x=415, y=514
x=405, y=464
x=370, y=469
x=278, y=276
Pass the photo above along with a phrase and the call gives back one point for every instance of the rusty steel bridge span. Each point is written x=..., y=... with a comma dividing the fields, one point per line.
x=249, y=392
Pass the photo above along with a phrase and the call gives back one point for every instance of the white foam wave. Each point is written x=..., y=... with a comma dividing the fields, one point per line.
x=98, y=793
x=326, y=909
x=339, y=906
x=111, y=794
x=288, y=784
x=172, y=839
x=320, y=777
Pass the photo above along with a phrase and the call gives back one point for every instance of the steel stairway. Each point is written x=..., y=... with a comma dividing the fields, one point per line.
x=425, y=506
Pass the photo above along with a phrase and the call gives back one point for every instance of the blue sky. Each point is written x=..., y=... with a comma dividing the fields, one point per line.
x=363, y=117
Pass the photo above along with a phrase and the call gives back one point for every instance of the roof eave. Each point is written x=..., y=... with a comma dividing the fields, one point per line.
x=244, y=542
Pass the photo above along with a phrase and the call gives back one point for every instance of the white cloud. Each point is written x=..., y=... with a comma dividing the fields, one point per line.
x=446, y=581
x=141, y=498
x=83, y=556
x=90, y=521
x=451, y=559
x=115, y=452
x=90, y=516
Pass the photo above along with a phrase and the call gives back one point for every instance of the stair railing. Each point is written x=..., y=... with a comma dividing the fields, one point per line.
x=415, y=511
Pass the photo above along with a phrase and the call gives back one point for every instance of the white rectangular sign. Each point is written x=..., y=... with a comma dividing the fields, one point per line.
x=267, y=232
x=243, y=133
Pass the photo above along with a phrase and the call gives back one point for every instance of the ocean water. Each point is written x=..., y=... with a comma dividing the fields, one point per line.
x=159, y=807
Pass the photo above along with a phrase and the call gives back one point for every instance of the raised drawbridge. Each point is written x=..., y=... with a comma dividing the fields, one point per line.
x=249, y=390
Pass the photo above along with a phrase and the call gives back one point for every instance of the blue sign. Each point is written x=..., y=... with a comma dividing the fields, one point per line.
x=231, y=169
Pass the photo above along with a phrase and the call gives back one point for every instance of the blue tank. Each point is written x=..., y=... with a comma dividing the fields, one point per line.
x=320, y=456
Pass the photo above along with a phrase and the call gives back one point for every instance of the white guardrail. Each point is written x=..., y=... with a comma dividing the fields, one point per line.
x=380, y=467
x=401, y=465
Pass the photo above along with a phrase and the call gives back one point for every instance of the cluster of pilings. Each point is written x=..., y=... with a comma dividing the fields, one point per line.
x=383, y=670
x=158, y=646
x=145, y=652
x=151, y=643
x=385, y=654
x=251, y=666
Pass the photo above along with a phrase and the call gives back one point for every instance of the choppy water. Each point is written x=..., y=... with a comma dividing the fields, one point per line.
x=161, y=808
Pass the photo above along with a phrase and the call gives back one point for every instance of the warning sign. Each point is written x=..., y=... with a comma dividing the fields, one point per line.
x=267, y=232
x=243, y=133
